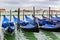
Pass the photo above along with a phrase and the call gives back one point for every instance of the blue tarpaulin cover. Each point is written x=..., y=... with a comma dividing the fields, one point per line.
x=55, y=18
x=28, y=26
x=49, y=26
x=29, y=19
x=52, y=26
x=22, y=22
x=5, y=23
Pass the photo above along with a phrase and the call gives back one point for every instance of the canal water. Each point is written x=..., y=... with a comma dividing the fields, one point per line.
x=22, y=35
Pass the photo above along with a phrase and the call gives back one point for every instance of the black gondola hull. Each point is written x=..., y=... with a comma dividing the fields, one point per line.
x=30, y=29
x=9, y=31
x=51, y=29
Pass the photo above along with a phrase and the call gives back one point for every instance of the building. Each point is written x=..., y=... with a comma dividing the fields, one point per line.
x=2, y=10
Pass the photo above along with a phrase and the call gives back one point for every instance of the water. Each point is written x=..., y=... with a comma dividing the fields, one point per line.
x=39, y=15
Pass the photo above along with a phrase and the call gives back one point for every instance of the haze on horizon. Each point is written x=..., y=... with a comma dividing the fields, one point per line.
x=28, y=4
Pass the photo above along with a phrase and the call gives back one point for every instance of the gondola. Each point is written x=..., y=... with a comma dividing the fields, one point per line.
x=29, y=19
x=55, y=18
x=41, y=21
x=29, y=27
x=8, y=26
x=22, y=22
x=51, y=27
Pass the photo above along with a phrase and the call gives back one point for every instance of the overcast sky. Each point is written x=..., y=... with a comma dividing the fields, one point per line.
x=28, y=4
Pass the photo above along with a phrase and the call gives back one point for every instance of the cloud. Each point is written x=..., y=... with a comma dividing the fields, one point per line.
x=28, y=4
x=36, y=0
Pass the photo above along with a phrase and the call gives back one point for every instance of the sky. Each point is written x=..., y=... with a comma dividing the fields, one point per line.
x=28, y=4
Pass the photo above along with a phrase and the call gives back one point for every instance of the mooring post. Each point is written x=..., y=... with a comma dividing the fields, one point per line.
x=18, y=14
x=10, y=15
x=23, y=13
x=34, y=11
x=0, y=15
x=18, y=25
x=35, y=19
x=43, y=13
x=33, y=15
x=56, y=14
x=49, y=13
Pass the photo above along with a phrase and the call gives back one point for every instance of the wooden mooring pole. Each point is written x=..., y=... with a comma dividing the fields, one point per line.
x=0, y=15
x=34, y=11
x=18, y=25
x=49, y=13
x=23, y=13
x=36, y=20
x=56, y=14
x=10, y=15
x=43, y=13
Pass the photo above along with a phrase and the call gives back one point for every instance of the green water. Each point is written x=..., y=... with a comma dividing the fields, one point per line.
x=29, y=35
x=9, y=37
x=50, y=34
